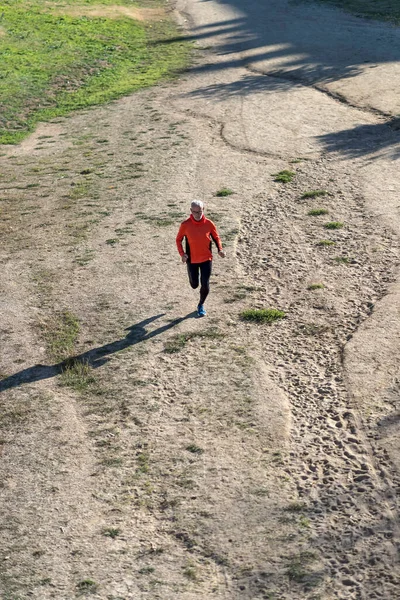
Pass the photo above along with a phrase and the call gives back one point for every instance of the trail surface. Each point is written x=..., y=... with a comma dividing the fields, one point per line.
x=211, y=458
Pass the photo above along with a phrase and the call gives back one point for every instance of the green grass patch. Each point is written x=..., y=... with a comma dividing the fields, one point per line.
x=79, y=190
x=77, y=375
x=178, y=342
x=298, y=568
x=54, y=62
x=325, y=243
x=334, y=225
x=215, y=217
x=316, y=286
x=316, y=212
x=262, y=315
x=143, y=462
x=284, y=176
x=160, y=221
x=304, y=522
x=84, y=258
x=111, y=532
x=146, y=570
x=87, y=586
x=295, y=507
x=342, y=260
x=382, y=10
x=194, y=449
x=112, y=462
x=313, y=194
x=235, y=296
x=61, y=333
x=15, y=414
x=230, y=234
x=241, y=293
x=191, y=573
x=224, y=192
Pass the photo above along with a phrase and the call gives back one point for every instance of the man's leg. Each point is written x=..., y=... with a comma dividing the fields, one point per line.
x=193, y=272
x=205, y=272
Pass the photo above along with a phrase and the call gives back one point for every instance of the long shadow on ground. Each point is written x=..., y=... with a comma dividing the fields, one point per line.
x=96, y=357
x=315, y=44
x=290, y=43
x=365, y=139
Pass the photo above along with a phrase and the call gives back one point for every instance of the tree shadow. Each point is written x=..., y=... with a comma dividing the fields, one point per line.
x=242, y=38
x=391, y=420
x=319, y=39
x=96, y=357
x=291, y=42
x=365, y=140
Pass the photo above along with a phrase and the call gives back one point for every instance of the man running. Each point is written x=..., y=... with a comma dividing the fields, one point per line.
x=199, y=233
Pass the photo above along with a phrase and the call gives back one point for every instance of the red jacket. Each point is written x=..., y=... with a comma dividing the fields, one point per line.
x=199, y=236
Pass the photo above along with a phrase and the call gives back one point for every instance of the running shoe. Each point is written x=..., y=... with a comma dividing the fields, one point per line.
x=201, y=311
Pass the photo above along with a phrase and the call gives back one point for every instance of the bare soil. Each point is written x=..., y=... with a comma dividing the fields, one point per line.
x=115, y=12
x=203, y=458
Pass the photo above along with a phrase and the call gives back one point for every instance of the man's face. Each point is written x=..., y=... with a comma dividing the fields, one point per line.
x=196, y=211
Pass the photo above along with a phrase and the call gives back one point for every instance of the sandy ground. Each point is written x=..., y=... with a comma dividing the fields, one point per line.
x=253, y=461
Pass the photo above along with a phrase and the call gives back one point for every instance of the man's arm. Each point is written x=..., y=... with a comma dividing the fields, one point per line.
x=217, y=240
x=179, y=240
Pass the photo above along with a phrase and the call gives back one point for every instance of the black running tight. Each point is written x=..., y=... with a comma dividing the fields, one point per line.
x=204, y=270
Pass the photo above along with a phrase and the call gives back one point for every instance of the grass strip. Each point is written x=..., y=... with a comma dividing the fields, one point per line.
x=323, y=243
x=313, y=194
x=315, y=212
x=334, y=225
x=61, y=333
x=224, y=192
x=179, y=341
x=284, y=176
x=262, y=315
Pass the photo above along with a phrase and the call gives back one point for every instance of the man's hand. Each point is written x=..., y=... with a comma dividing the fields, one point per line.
x=221, y=253
x=184, y=258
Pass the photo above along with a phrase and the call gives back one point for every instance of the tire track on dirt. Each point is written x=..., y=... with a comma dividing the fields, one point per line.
x=337, y=96
x=221, y=126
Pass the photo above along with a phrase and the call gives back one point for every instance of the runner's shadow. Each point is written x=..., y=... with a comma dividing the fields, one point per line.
x=96, y=357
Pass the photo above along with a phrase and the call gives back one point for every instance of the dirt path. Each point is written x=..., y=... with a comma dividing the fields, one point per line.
x=210, y=458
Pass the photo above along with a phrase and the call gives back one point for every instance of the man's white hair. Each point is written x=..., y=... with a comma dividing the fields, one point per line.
x=198, y=203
